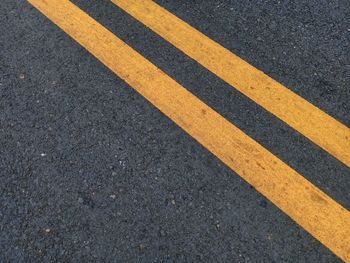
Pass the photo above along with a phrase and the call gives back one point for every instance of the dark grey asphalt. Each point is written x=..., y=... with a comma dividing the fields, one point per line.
x=91, y=172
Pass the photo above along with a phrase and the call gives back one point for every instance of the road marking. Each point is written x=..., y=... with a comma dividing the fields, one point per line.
x=313, y=123
x=319, y=214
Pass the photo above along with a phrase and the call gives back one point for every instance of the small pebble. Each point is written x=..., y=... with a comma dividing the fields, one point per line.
x=142, y=247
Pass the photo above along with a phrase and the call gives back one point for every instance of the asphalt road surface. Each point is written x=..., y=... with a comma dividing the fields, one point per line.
x=90, y=171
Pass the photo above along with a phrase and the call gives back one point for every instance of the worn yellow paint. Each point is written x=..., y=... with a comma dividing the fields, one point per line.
x=298, y=113
x=316, y=212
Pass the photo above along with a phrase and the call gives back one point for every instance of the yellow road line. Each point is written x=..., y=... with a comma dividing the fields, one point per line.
x=298, y=113
x=319, y=214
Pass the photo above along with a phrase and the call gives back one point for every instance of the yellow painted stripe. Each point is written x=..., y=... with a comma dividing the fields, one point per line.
x=298, y=113
x=319, y=214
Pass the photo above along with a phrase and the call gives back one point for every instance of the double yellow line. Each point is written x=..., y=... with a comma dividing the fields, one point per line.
x=298, y=113
x=316, y=212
